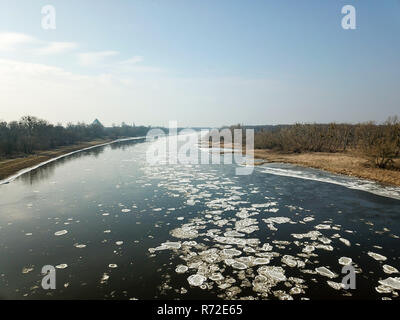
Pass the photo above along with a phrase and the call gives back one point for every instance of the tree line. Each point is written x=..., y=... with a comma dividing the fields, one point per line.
x=31, y=134
x=378, y=142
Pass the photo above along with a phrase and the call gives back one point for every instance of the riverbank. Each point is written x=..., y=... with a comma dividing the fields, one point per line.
x=341, y=163
x=13, y=165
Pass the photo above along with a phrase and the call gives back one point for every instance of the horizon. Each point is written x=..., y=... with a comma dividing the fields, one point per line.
x=208, y=64
x=248, y=125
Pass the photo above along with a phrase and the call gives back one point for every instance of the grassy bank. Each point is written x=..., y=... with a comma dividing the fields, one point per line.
x=346, y=163
x=11, y=166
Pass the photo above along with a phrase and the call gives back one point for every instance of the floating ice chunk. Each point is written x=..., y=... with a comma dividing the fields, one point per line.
x=325, y=240
x=377, y=256
x=313, y=235
x=196, y=280
x=324, y=247
x=126, y=210
x=104, y=278
x=336, y=285
x=264, y=205
x=393, y=283
x=345, y=241
x=181, y=269
x=274, y=273
x=216, y=277
x=191, y=202
x=239, y=265
x=260, y=261
x=26, y=270
x=308, y=219
x=189, y=243
x=172, y=245
x=185, y=232
x=282, y=295
x=289, y=260
x=231, y=252
x=389, y=269
x=345, y=261
x=60, y=233
x=229, y=262
x=245, y=223
x=62, y=266
x=296, y=290
x=233, y=234
x=326, y=272
x=80, y=246
x=278, y=220
x=383, y=289
x=308, y=249
x=322, y=227
x=266, y=247
x=167, y=246
x=112, y=265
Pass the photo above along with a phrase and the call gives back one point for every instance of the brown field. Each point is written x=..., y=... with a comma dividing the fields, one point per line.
x=341, y=163
x=9, y=167
x=349, y=163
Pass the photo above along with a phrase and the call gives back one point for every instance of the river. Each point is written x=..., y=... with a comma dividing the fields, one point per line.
x=115, y=227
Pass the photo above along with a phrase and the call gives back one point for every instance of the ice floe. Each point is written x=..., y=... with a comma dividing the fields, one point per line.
x=196, y=280
x=345, y=261
x=323, y=271
x=60, y=233
x=377, y=256
x=389, y=269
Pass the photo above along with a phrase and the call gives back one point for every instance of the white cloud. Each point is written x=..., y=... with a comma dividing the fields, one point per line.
x=133, y=60
x=57, y=48
x=9, y=41
x=132, y=65
x=12, y=41
x=57, y=95
x=95, y=58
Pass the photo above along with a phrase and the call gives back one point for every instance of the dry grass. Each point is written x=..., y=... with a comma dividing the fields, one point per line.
x=9, y=167
x=350, y=164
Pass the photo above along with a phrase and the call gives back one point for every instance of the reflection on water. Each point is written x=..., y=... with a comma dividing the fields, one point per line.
x=46, y=171
x=117, y=228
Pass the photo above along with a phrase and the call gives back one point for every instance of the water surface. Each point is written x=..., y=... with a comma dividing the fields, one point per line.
x=119, y=228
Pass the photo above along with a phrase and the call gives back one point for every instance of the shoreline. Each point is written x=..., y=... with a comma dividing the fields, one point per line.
x=348, y=164
x=12, y=166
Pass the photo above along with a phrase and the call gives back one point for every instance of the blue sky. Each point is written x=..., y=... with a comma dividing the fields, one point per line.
x=200, y=62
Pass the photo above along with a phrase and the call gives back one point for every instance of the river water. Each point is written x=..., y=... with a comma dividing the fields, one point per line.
x=116, y=227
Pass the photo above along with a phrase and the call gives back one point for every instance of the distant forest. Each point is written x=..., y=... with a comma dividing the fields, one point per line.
x=378, y=142
x=31, y=134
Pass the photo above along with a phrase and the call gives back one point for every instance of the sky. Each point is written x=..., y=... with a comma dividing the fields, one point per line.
x=200, y=62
